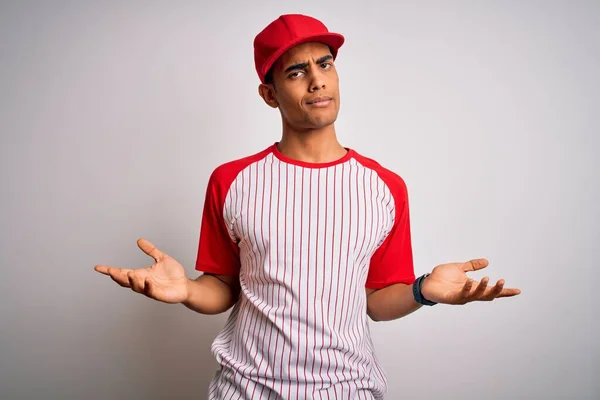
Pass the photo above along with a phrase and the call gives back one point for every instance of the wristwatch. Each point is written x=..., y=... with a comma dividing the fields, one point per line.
x=417, y=291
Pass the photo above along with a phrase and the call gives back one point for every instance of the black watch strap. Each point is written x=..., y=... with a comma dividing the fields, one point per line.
x=417, y=292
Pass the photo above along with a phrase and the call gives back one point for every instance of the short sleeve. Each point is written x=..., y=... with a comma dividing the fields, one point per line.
x=392, y=262
x=217, y=251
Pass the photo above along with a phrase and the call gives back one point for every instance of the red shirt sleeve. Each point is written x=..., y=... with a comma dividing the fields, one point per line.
x=392, y=262
x=218, y=253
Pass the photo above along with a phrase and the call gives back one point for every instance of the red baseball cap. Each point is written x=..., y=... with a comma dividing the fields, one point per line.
x=286, y=32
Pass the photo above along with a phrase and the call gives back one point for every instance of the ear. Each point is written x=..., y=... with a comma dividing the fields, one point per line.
x=267, y=92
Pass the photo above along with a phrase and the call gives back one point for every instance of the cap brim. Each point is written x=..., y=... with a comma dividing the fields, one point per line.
x=333, y=40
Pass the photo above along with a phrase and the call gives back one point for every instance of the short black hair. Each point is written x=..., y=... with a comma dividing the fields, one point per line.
x=269, y=76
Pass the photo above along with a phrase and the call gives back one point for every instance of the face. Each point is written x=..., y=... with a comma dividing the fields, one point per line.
x=305, y=87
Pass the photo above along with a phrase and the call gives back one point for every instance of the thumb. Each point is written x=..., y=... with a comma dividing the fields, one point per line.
x=474, y=265
x=150, y=249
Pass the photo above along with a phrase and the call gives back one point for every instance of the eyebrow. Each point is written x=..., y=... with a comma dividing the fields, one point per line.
x=305, y=64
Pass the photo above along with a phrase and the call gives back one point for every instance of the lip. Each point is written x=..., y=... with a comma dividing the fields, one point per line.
x=321, y=101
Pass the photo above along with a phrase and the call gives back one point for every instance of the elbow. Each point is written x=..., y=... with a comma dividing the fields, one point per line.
x=371, y=310
x=374, y=319
x=373, y=315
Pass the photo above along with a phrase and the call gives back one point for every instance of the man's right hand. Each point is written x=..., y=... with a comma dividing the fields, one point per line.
x=164, y=280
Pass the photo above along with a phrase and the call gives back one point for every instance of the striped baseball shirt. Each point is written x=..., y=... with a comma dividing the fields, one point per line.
x=306, y=240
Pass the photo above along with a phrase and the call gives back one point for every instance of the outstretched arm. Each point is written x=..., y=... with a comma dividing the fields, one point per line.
x=391, y=302
x=212, y=294
x=448, y=284
x=165, y=281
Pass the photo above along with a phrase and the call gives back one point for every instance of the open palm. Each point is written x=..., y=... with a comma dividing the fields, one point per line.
x=164, y=280
x=449, y=284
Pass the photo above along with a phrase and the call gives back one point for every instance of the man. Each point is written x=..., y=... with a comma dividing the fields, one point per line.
x=304, y=240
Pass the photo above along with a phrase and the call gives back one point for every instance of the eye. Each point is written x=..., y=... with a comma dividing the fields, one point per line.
x=326, y=65
x=295, y=74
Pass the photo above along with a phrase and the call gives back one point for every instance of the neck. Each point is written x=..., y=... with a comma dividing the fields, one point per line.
x=312, y=146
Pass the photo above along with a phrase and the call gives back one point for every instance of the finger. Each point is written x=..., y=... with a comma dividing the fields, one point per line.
x=480, y=289
x=150, y=249
x=509, y=293
x=475, y=265
x=103, y=269
x=135, y=282
x=494, y=291
x=148, y=288
x=466, y=290
x=119, y=275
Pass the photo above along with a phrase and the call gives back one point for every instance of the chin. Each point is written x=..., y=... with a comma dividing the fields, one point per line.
x=313, y=122
x=322, y=121
x=320, y=124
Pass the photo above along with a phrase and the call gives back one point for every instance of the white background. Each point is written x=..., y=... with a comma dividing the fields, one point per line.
x=113, y=115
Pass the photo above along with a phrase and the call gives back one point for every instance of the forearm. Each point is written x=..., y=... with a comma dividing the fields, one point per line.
x=210, y=295
x=392, y=302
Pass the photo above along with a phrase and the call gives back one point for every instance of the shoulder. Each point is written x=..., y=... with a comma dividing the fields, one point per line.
x=393, y=180
x=225, y=174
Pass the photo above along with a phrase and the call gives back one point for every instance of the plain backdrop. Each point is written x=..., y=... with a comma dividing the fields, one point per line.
x=113, y=114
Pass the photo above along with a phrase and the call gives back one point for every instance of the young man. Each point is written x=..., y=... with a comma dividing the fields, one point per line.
x=305, y=240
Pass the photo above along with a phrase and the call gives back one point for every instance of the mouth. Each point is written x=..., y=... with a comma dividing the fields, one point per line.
x=321, y=101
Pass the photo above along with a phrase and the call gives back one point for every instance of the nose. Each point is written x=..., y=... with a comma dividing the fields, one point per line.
x=317, y=81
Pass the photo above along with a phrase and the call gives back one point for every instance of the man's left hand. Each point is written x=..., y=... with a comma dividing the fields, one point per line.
x=449, y=284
